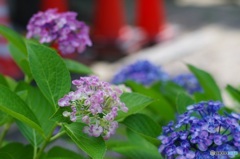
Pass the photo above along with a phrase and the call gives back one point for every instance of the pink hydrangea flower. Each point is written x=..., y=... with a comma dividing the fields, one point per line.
x=64, y=29
x=96, y=103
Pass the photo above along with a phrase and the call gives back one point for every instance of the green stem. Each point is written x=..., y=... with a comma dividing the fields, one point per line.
x=45, y=143
x=5, y=130
x=57, y=135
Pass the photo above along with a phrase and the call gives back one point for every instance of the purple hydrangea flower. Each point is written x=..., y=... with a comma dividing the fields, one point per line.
x=64, y=29
x=199, y=130
x=189, y=82
x=96, y=103
x=142, y=72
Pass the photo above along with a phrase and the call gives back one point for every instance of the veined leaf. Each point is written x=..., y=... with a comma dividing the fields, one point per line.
x=94, y=147
x=13, y=105
x=135, y=102
x=49, y=72
x=210, y=87
x=183, y=100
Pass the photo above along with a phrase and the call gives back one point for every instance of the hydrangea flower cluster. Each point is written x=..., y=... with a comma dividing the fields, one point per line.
x=96, y=103
x=199, y=130
x=189, y=82
x=142, y=72
x=64, y=29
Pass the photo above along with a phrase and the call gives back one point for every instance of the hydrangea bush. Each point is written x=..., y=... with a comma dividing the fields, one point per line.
x=100, y=118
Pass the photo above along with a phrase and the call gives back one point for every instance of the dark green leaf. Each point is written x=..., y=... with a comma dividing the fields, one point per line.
x=76, y=67
x=160, y=106
x=211, y=89
x=3, y=81
x=135, y=102
x=58, y=115
x=94, y=147
x=59, y=152
x=183, y=100
x=144, y=126
x=42, y=110
x=49, y=71
x=13, y=105
x=18, y=151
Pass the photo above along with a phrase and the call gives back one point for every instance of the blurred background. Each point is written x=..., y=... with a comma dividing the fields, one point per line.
x=170, y=33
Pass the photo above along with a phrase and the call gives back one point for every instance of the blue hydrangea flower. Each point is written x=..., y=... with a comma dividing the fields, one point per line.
x=199, y=130
x=189, y=82
x=142, y=72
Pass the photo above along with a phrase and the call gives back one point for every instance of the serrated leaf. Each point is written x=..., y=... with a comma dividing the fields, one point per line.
x=59, y=152
x=135, y=102
x=160, y=106
x=76, y=67
x=210, y=87
x=94, y=147
x=49, y=72
x=42, y=110
x=144, y=126
x=183, y=100
x=13, y=105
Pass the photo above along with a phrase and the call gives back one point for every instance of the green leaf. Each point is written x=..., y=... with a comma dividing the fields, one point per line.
x=144, y=126
x=42, y=109
x=235, y=94
x=58, y=115
x=94, y=147
x=183, y=100
x=59, y=152
x=49, y=72
x=11, y=83
x=3, y=81
x=17, y=151
x=76, y=67
x=137, y=147
x=211, y=89
x=13, y=105
x=20, y=58
x=160, y=106
x=13, y=37
x=135, y=102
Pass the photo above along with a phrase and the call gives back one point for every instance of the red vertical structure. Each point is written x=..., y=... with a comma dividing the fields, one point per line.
x=109, y=19
x=61, y=5
x=150, y=16
x=7, y=65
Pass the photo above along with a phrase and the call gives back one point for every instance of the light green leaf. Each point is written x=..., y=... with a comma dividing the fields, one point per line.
x=161, y=107
x=11, y=83
x=94, y=147
x=13, y=105
x=210, y=87
x=183, y=100
x=49, y=72
x=3, y=81
x=21, y=59
x=13, y=37
x=59, y=152
x=235, y=94
x=144, y=126
x=76, y=67
x=135, y=102
x=42, y=110
x=137, y=147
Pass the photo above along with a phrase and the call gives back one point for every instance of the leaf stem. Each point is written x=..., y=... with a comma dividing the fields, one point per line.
x=57, y=135
x=38, y=155
x=5, y=130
